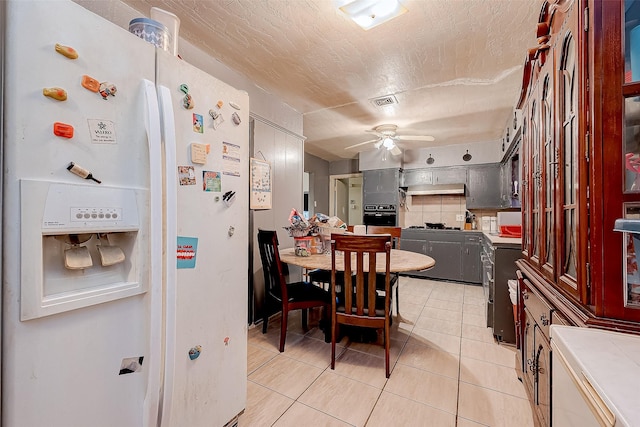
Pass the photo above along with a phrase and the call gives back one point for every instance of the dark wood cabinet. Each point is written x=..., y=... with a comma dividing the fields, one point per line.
x=580, y=166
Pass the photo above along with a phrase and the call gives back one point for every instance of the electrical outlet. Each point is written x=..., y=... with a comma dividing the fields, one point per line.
x=459, y=217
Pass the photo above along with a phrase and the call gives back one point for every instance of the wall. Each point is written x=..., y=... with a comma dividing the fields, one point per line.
x=344, y=167
x=319, y=182
x=451, y=155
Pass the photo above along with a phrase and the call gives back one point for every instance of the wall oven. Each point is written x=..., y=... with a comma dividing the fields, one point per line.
x=380, y=214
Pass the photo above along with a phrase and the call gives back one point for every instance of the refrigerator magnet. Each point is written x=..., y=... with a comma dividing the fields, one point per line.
x=186, y=175
x=90, y=83
x=187, y=250
x=107, y=89
x=56, y=93
x=236, y=118
x=234, y=105
x=62, y=129
x=211, y=181
x=67, y=51
x=198, y=153
x=102, y=131
x=198, y=123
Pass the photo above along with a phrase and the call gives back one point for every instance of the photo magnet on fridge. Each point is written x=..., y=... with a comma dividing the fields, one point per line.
x=186, y=175
x=211, y=181
x=198, y=123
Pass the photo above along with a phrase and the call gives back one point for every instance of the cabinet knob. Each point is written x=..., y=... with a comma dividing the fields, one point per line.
x=525, y=295
x=544, y=320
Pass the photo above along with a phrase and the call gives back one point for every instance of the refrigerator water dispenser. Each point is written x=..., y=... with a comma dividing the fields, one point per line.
x=82, y=245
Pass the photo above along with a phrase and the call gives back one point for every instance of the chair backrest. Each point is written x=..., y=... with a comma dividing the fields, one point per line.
x=395, y=232
x=274, y=275
x=359, y=298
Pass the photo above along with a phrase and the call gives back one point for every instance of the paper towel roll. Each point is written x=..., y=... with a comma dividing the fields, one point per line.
x=359, y=229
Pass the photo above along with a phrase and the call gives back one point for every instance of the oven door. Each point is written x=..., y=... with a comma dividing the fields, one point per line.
x=379, y=218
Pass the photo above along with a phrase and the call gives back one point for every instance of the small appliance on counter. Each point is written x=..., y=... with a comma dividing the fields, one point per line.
x=509, y=224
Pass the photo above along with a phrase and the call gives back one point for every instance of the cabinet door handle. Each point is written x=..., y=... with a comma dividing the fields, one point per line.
x=525, y=295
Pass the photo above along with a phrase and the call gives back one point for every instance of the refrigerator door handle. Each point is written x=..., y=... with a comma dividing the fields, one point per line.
x=154, y=367
x=171, y=218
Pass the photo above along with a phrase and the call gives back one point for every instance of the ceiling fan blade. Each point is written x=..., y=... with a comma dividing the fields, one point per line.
x=415, y=137
x=395, y=150
x=360, y=144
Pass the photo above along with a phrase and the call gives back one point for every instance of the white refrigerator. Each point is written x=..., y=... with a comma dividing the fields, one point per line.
x=124, y=292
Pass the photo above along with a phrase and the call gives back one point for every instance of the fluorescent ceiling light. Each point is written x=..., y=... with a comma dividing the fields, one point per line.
x=369, y=13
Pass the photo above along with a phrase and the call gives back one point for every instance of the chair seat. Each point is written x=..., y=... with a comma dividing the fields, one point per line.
x=305, y=291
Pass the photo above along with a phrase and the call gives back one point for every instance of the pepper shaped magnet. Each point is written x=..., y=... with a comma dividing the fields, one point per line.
x=56, y=93
x=67, y=51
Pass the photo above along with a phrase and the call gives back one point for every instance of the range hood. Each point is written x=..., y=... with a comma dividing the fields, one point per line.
x=434, y=189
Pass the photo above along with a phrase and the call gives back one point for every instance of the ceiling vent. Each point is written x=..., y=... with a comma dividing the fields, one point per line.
x=383, y=101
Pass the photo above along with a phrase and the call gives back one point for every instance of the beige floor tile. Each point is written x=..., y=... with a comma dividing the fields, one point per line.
x=425, y=387
x=341, y=397
x=286, y=376
x=439, y=325
x=312, y=351
x=478, y=333
x=447, y=295
x=474, y=291
x=499, y=354
x=474, y=319
x=301, y=415
x=475, y=300
x=258, y=356
x=393, y=410
x=462, y=422
x=493, y=408
x=489, y=375
x=264, y=406
x=409, y=307
x=478, y=310
x=377, y=349
x=441, y=314
x=419, y=355
x=271, y=340
x=444, y=305
x=436, y=340
x=363, y=367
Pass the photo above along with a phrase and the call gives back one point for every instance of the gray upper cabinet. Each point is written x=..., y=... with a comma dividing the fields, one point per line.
x=450, y=176
x=484, y=187
x=381, y=186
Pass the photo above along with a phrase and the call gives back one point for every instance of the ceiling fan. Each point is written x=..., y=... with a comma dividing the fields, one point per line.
x=387, y=138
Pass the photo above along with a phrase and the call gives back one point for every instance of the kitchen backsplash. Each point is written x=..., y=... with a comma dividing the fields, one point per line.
x=438, y=208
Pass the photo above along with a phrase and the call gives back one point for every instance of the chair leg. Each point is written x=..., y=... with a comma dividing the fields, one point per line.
x=387, y=346
x=265, y=319
x=283, y=328
x=334, y=337
x=397, y=297
x=305, y=316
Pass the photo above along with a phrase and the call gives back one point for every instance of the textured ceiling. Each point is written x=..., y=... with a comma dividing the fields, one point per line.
x=455, y=66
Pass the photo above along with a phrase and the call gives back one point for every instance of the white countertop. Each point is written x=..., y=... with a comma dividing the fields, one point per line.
x=496, y=239
x=611, y=363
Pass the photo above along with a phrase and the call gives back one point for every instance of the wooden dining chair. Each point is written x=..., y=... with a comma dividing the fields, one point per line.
x=358, y=303
x=286, y=296
x=396, y=234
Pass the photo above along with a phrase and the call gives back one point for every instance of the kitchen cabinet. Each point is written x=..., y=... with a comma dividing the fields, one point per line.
x=471, y=265
x=380, y=186
x=443, y=175
x=484, y=187
x=457, y=253
x=579, y=159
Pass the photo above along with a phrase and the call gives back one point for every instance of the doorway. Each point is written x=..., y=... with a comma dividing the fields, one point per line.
x=345, y=198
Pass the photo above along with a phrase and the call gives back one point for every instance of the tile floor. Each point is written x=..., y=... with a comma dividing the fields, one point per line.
x=446, y=370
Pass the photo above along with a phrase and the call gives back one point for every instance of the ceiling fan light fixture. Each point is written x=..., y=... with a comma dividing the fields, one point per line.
x=466, y=157
x=370, y=13
x=388, y=143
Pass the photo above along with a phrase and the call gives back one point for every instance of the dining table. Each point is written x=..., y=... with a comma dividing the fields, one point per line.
x=400, y=261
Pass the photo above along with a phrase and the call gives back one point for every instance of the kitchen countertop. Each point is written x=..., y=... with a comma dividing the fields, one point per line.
x=497, y=240
x=611, y=363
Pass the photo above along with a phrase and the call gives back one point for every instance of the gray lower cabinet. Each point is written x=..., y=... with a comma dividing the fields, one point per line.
x=471, y=264
x=457, y=253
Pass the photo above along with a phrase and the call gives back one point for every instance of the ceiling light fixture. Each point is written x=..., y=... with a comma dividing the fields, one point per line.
x=466, y=157
x=388, y=143
x=370, y=13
